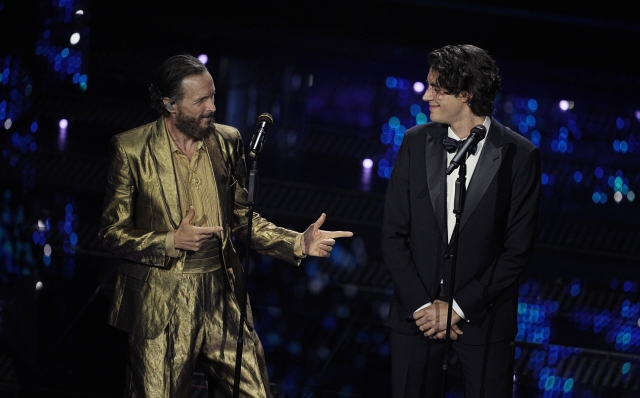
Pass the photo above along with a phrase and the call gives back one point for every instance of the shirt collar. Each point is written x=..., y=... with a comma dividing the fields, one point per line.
x=486, y=124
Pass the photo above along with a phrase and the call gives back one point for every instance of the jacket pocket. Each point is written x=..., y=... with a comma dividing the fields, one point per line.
x=135, y=275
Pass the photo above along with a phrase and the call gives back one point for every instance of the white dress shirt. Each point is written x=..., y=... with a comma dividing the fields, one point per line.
x=472, y=162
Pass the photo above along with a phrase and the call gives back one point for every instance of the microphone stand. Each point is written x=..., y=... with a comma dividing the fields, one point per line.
x=242, y=296
x=461, y=190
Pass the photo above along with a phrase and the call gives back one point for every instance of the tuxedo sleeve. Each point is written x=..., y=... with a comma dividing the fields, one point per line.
x=476, y=297
x=409, y=290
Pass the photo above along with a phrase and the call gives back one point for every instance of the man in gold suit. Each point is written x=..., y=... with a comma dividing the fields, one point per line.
x=175, y=196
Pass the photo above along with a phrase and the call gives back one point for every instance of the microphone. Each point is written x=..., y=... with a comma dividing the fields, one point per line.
x=477, y=134
x=264, y=122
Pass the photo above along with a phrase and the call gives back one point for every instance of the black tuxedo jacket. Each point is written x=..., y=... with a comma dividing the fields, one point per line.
x=497, y=230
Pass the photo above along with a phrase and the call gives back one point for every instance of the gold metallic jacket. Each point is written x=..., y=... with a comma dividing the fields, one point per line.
x=142, y=205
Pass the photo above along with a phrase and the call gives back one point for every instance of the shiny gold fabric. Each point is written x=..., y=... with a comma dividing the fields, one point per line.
x=196, y=186
x=142, y=205
x=206, y=259
x=205, y=326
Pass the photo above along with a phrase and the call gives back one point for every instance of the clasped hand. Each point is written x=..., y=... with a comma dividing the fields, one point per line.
x=432, y=321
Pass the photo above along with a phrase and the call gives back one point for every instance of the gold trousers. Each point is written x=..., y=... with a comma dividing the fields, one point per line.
x=203, y=328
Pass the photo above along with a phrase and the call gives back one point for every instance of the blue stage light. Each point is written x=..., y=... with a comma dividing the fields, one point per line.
x=568, y=385
x=603, y=198
x=562, y=146
x=624, y=147
x=535, y=135
x=73, y=239
x=577, y=176
x=391, y=82
x=616, y=145
x=563, y=133
x=523, y=127
x=531, y=120
x=599, y=172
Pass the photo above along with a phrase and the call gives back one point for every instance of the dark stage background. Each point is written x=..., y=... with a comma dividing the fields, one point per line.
x=342, y=80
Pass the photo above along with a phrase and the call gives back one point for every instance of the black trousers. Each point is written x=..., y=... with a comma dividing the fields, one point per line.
x=416, y=367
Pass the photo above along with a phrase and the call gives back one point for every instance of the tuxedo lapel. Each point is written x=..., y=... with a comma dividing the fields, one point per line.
x=160, y=151
x=486, y=169
x=436, y=158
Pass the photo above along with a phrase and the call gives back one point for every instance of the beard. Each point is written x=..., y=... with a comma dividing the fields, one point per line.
x=190, y=126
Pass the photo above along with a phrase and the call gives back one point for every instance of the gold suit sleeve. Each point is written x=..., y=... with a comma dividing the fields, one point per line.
x=266, y=238
x=119, y=233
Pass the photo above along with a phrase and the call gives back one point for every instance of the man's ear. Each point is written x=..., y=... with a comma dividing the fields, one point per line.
x=168, y=103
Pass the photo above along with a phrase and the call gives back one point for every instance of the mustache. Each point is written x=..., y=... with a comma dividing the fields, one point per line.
x=208, y=115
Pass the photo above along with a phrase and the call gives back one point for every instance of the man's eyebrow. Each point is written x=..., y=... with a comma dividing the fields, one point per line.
x=204, y=97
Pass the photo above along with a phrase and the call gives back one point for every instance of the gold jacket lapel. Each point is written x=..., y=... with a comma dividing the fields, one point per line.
x=160, y=150
x=218, y=155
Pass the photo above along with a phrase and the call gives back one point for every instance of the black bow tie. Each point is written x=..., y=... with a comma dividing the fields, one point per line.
x=452, y=145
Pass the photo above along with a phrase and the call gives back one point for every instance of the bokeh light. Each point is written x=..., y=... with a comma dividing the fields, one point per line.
x=577, y=176
x=391, y=82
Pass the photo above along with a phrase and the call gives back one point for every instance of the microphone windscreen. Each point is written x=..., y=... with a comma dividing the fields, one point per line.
x=265, y=117
x=480, y=131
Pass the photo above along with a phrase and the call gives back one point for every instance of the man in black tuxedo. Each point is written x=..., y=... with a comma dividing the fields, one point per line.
x=496, y=239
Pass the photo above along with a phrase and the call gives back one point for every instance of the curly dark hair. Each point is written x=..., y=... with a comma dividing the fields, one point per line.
x=469, y=71
x=167, y=81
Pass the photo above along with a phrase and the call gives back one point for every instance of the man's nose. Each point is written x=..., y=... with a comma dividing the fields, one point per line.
x=427, y=96
x=211, y=106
